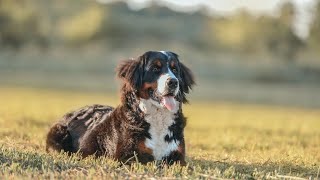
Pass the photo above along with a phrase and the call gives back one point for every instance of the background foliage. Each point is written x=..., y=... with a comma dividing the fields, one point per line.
x=56, y=23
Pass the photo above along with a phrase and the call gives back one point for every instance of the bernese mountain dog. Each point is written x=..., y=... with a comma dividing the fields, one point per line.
x=147, y=125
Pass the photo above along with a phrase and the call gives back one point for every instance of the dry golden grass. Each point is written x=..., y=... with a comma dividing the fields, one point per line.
x=223, y=140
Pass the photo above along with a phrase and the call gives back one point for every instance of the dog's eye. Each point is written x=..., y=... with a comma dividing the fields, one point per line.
x=174, y=70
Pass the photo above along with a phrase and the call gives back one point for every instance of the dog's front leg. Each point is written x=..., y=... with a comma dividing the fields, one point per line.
x=177, y=156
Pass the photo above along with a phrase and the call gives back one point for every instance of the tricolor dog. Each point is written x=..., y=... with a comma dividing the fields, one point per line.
x=148, y=123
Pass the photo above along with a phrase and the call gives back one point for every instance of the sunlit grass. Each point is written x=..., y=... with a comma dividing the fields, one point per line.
x=223, y=140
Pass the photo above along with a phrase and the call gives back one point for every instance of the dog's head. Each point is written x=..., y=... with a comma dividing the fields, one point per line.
x=158, y=76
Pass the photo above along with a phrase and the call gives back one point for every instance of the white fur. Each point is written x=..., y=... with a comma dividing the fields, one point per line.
x=165, y=53
x=160, y=119
x=162, y=83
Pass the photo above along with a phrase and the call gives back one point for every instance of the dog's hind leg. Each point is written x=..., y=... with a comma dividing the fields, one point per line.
x=59, y=139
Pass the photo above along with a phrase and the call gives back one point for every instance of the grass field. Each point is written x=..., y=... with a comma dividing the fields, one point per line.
x=223, y=140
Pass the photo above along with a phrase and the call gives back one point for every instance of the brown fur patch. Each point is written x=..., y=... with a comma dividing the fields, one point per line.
x=172, y=64
x=158, y=63
x=181, y=149
x=143, y=148
x=143, y=93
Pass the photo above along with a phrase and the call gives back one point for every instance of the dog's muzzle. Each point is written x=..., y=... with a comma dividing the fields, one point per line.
x=167, y=90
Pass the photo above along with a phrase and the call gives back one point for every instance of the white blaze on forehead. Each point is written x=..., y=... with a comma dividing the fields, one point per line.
x=165, y=53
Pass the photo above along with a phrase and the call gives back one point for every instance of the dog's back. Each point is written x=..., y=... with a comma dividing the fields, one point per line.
x=67, y=133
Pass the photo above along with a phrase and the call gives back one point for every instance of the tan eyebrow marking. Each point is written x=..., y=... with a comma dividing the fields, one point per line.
x=172, y=63
x=158, y=63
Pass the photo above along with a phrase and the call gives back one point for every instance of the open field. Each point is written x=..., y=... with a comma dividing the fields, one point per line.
x=223, y=140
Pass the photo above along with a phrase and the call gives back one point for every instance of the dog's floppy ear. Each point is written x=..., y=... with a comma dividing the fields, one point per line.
x=186, y=79
x=130, y=71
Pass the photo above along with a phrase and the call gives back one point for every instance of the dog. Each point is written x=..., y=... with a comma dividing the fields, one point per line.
x=148, y=124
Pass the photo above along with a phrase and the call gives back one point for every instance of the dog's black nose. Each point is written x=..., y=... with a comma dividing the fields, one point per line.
x=172, y=83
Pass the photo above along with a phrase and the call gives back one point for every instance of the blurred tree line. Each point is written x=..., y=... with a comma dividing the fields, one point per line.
x=77, y=23
x=264, y=34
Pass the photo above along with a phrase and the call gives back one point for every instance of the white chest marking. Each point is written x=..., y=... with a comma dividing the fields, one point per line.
x=160, y=119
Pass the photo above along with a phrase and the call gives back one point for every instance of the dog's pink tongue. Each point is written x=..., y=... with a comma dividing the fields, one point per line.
x=169, y=102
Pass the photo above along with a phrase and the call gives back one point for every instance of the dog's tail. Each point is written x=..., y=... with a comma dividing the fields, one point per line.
x=59, y=139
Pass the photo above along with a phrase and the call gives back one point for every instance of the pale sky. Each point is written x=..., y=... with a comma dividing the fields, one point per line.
x=226, y=7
